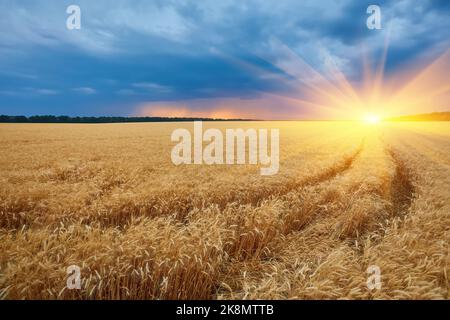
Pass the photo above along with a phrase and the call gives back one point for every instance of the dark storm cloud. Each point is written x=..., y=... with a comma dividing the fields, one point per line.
x=129, y=53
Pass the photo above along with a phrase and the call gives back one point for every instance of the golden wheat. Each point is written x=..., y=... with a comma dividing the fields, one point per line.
x=108, y=199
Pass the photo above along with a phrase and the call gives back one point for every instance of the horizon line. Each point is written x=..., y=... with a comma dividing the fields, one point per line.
x=433, y=116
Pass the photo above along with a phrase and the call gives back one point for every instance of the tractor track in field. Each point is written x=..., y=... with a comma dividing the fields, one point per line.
x=403, y=191
x=319, y=220
x=322, y=223
x=401, y=198
x=258, y=196
x=122, y=216
x=254, y=198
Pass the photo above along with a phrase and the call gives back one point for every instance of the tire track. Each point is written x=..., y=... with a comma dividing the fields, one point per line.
x=123, y=216
x=320, y=230
x=392, y=206
x=178, y=206
x=309, y=218
x=403, y=190
x=397, y=206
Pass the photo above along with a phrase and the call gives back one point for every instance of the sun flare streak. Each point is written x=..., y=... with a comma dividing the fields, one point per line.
x=423, y=87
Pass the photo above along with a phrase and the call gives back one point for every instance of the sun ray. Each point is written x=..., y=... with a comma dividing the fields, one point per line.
x=330, y=93
x=429, y=83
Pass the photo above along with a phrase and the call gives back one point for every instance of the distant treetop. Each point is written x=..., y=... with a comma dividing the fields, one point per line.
x=67, y=119
x=435, y=116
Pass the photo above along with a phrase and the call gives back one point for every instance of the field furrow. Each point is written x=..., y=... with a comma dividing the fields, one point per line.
x=347, y=197
x=121, y=196
x=343, y=217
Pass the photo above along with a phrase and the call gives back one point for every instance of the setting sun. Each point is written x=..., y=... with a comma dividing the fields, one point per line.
x=372, y=118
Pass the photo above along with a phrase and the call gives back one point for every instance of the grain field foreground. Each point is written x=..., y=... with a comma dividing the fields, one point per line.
x=108, y=199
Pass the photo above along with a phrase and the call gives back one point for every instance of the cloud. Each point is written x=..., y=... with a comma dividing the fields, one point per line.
x=171, y=50
x=27, y=91
x=85, y=90
x=105, y=27
x=47, y=92
x=192, y=27
x=152, y=87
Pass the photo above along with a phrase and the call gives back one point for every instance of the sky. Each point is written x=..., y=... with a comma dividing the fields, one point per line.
x=286, y=59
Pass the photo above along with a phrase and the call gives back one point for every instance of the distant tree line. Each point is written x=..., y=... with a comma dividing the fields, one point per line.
x=67, y=119
x=435, y=116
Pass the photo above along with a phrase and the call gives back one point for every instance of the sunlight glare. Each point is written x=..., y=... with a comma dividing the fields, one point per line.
x=372, y=118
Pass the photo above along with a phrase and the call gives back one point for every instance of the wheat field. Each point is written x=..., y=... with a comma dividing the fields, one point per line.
x=108, y=199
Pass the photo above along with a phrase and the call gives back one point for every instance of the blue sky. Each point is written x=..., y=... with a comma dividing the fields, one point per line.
x=197, y=57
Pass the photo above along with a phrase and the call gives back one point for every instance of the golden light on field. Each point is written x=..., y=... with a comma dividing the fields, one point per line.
x=346, y=197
